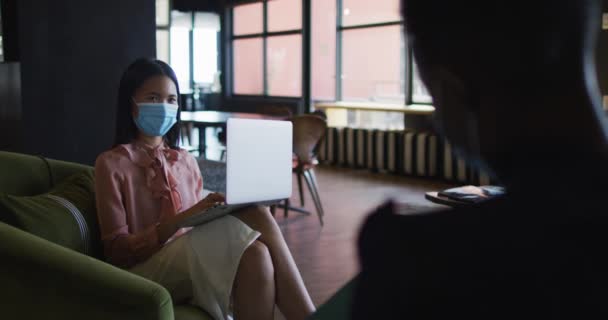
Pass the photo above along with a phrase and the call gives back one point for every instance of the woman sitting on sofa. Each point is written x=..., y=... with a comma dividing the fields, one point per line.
x=238, y=264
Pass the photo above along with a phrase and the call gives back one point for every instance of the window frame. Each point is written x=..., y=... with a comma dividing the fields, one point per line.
x=305, y=102
x=407, y=71
x=264, y=35
x=191, y=29
x=339, y=33
x=167, y=28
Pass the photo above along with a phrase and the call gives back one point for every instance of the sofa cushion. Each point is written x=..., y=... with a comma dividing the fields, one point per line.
x=63, y=215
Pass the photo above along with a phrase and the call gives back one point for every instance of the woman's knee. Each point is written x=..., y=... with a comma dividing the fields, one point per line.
x=258, y=217
x=261, y=212
x=257, y=259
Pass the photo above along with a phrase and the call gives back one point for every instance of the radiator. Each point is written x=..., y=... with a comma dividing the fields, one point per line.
x=410, y=153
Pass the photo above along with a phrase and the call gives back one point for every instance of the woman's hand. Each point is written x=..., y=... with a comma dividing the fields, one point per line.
x=211, y=200
x=169, y=227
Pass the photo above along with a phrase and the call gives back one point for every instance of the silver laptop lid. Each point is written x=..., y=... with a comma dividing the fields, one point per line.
x=259, y=160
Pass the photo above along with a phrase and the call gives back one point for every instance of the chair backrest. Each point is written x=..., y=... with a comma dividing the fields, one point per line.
x=279, y=111
x=308, y=131
x=283, y=112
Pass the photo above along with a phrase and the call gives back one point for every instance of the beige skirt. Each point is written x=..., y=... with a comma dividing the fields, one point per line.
x=200, y=266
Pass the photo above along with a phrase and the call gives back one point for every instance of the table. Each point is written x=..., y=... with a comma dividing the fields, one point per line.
x=204, y=119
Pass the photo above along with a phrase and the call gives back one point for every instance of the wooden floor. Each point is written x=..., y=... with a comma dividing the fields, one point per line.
x=326, y=255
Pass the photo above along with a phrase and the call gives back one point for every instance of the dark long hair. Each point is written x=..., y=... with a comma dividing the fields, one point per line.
x=135, y=75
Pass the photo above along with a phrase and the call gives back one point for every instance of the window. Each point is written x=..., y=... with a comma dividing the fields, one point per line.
x=364, y=45
x=323, y=50
x=162, y=30
x=162, y=13
x=248, y=19
x=206, y=55
x=360, y=54
x=205, y=50
x=267, y=48
x=162, y=45
x=188, y=42
x=363, y=12
x=179, y=53
x=249, y=66
x=284, y=66
x=284, y=15
x=372, y=61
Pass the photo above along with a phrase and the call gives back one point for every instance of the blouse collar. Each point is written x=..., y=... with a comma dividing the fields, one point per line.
x=145, y=156
x=154, y=161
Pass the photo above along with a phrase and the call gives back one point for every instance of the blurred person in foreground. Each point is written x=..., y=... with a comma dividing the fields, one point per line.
x=515, y=90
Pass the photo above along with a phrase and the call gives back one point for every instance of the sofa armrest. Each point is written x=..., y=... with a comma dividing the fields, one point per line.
x=43, y=280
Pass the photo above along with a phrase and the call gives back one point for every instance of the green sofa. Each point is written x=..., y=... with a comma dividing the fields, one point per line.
x=42, y=280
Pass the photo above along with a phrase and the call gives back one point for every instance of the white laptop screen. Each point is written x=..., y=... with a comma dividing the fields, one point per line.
x=259, y=160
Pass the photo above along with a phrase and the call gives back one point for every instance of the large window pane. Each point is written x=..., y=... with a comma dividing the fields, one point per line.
x=323, y=50
x=285, y=15
x=419, y=92
x=372, y=65
x=284, y=73
x=248, y=19
x=207, y=20
x=356, y=12
x=205, y=55
x=181, y=19
x=248, y=66
x=205, y=51
x=162, y=13
x=180, y=56
x=162, y=45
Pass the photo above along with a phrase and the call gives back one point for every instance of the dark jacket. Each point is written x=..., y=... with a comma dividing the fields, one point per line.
x=537, y=254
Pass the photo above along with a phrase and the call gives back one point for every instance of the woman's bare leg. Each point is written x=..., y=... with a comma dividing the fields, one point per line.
x=291, y=295
x=254, y=287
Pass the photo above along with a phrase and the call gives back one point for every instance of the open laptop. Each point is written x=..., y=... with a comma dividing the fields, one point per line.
x=258, y=167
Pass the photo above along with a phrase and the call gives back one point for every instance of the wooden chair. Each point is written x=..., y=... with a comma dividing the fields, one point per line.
x=308, y=132
x=187, y=129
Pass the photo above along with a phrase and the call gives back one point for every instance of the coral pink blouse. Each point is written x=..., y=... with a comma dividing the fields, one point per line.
x=136, y=188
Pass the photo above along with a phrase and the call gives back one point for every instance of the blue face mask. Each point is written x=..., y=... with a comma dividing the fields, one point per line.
x=155, y=119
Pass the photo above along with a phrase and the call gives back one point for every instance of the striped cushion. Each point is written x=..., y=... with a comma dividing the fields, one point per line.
x=85, y=235
x=65, y=215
